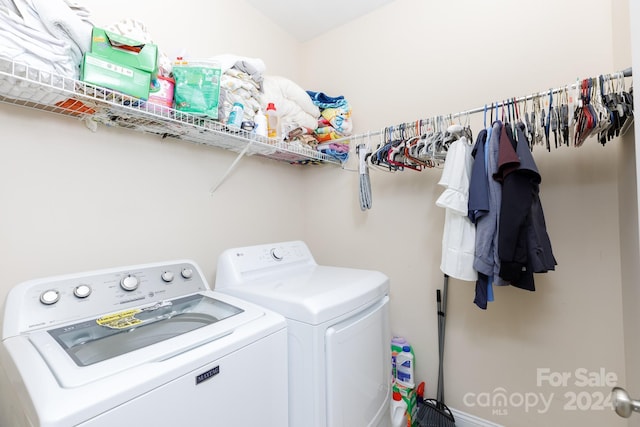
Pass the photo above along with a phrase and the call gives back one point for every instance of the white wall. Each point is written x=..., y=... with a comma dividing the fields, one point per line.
x=629, y=213
x=75, y=200
x=413, y=59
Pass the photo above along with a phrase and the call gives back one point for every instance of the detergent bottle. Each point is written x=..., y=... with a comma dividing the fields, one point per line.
x=398, y=410
x=397, y=343
x=273, y=121
x=260, y=121
x=404, y=368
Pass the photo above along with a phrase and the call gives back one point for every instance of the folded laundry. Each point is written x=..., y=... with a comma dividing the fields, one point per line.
x=336, y=151
x=238, y=87
x=323, y=100
x=336, y=146
x=339, y=118
x=57, y=18
x=48, y=37
x=335, y=121
x=253, y=67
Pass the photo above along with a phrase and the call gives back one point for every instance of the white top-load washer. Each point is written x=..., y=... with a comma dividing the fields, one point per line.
x=148, y=345
x=338, y=327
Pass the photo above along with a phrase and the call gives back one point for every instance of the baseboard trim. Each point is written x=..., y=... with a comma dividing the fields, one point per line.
x=467, y=420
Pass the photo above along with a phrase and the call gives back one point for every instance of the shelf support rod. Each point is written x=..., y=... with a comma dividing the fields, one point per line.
x=230, y=169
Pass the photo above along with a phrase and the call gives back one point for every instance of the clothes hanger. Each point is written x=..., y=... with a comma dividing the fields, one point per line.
x=378, y=157
x=531, y=121
x=564, y=116
x=587, y=120
x=629, y=105
x=528, y=131
x=625, y=107
x=547, y=122
x=607, y=110
x=467, y=131
x=396, y=154
x=412, y=146
x=434, y=150
x=417, y=163
x=580, y=116
x=535, y=109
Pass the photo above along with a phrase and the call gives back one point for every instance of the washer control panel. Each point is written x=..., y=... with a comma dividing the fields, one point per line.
x=43, y=302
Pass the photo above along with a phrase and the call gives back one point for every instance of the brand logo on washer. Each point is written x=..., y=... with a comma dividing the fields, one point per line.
x=207, y=375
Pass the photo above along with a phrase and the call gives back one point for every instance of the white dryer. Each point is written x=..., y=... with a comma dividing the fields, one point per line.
x=148, y=345
x=338, y=328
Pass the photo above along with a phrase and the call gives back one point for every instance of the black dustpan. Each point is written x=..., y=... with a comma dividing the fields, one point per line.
x=433, y=412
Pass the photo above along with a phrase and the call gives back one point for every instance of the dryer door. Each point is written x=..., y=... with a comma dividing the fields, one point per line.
x=359, y=368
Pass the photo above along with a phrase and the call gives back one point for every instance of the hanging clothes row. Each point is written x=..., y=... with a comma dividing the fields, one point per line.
x=495, y=231
x=566, y=116
x=501, y=239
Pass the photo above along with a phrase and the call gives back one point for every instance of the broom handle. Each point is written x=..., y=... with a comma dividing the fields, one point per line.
x=441, y=339
x=440, y=317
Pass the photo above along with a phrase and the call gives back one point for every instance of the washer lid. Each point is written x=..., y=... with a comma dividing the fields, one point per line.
x=95, y=340
x=313, y=294
x=94, y=349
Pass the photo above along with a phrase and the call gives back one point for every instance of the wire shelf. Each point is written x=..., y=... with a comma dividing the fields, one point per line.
x=29, y=87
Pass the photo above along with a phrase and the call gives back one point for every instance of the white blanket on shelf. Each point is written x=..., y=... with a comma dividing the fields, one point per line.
x=46, y=35
x=33, y=56
x=293, y=104
x=68, y=23
x=29, y=46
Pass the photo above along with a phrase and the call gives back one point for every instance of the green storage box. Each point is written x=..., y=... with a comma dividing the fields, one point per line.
x=124, y=51
x=102, y=72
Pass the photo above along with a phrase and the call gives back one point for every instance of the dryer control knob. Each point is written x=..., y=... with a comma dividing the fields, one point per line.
x=187, y=273
x=276, y=253
x=129, y=282
x=82, y=291
x=49, y=297
x=167, y=276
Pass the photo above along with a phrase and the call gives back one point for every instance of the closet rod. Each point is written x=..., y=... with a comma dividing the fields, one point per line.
x=627, y=72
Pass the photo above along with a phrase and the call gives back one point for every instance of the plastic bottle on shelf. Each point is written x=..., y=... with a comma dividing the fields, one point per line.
x=398, y=409
x=404, y=368
x=273, y=122
x=236, y=115
x=260, y=121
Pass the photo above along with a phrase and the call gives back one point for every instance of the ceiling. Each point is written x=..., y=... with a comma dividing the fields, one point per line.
x=307, y=19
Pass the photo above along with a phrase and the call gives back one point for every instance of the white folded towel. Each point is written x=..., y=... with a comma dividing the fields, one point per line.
x=34, y=48
x=61, y=21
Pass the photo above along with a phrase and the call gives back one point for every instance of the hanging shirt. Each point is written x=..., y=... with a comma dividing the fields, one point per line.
x=479, y=207
x=486, y=260
x=524, y=246
x=478, y=188
x=458, y=239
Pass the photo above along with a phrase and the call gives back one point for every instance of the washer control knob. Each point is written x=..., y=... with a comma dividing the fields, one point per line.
x=167, y=276
x=50, y=296
x=82, y=291
x=276, y=253
x=187, y=273
x=129, y=282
